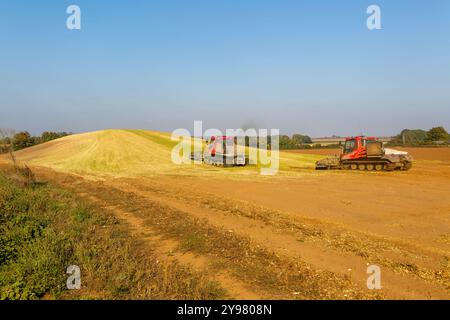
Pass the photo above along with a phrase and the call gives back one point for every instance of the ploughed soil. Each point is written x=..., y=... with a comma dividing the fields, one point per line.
x=327, y=228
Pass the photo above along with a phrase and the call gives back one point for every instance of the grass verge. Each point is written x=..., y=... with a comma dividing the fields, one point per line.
x=44, y=229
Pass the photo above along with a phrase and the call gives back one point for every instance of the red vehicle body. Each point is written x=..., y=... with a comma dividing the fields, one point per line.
x=366, y=153
x=220, y=144
x=222, y=151
x=355, y=147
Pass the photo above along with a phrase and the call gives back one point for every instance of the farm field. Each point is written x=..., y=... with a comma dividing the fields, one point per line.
x=432, y=154
x=302, y=234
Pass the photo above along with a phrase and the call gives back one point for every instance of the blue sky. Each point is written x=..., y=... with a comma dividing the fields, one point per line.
x=301, y=66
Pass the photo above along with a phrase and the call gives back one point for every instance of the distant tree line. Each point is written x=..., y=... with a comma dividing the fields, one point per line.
x=297, y=141
x=419, y=137
x=24, y=139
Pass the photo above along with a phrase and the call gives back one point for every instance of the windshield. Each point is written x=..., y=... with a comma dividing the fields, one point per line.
x=349, y=146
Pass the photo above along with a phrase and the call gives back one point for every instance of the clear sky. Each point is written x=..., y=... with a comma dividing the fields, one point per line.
x=311, y=67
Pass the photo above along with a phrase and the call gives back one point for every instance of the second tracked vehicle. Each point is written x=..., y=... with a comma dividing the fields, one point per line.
x=367, y=153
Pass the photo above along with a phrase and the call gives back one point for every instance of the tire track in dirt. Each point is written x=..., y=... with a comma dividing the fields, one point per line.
x=395, y=286
x=167, y=250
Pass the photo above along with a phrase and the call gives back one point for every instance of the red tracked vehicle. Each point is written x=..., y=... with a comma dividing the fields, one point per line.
x=366, y=153
x=221, y=151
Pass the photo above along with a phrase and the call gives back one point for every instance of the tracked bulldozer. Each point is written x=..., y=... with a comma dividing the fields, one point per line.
x=366, y=153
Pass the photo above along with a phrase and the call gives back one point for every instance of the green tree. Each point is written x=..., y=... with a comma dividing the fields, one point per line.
x=301, y=139
x=286, y=142
x=49, y=135
x=410, y=137
x=23, y=140
x=437, y=134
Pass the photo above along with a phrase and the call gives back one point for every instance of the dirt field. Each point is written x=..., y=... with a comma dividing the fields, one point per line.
x=433, y=154
x=304, y=236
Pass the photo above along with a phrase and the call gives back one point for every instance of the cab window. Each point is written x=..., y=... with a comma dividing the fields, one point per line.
x=349, y=146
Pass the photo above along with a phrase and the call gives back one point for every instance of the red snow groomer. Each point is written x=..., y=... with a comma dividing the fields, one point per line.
x=367, y=153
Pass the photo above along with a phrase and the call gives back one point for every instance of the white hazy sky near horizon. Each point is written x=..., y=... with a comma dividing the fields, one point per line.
x=310, y=67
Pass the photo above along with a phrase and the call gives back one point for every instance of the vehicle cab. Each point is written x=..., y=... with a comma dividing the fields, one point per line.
x=355, y=147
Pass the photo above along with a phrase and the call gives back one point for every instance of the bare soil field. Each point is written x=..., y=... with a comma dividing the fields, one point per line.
x=311, y=235
x=437, y=154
